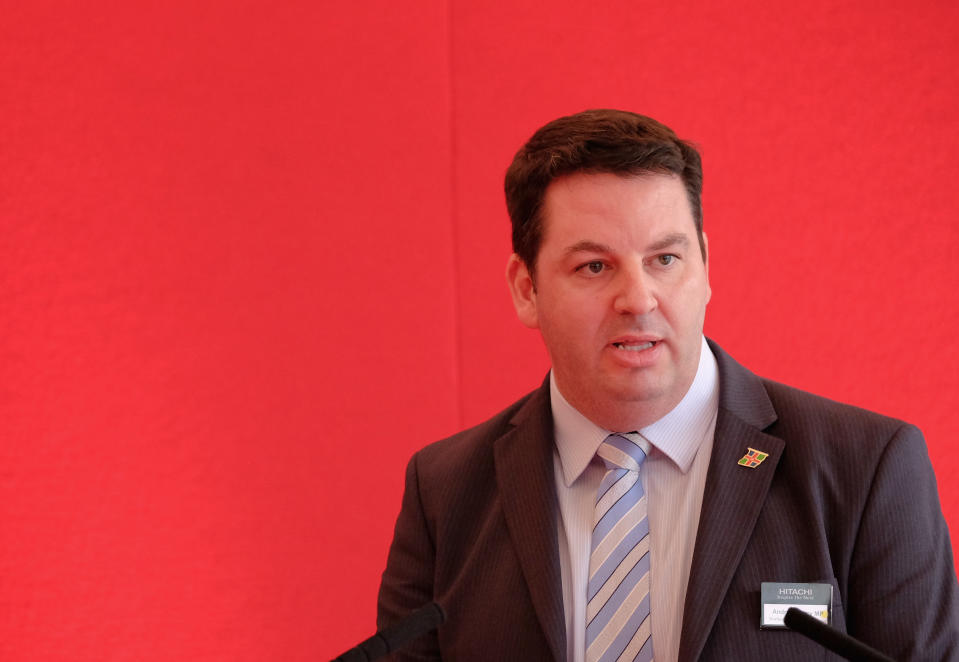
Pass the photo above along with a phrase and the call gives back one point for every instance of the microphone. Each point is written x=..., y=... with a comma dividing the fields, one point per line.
x=831, y=638
x=423, y=620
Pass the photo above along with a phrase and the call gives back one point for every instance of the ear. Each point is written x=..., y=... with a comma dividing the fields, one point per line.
x=521, y=287
x=709, y=291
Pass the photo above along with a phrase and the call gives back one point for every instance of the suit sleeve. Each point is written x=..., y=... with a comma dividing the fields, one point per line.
x=902, y=595
x=407, y=582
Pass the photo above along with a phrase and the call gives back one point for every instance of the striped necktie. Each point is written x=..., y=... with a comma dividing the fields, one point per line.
x=617, y=609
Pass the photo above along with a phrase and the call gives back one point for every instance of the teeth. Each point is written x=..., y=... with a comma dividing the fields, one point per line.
x=633, y=348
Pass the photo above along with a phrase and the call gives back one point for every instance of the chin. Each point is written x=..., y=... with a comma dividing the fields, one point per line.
x=637, y=395
x=639, y=385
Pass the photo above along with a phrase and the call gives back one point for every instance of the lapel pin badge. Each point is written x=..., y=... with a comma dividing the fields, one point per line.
x=753, y=458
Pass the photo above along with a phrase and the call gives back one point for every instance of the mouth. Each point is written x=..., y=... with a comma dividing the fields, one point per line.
x=634, y=347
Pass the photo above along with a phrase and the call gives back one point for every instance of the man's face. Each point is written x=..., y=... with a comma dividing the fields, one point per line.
x=620, y=295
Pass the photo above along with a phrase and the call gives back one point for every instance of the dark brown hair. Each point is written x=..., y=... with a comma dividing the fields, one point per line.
x=594, y=141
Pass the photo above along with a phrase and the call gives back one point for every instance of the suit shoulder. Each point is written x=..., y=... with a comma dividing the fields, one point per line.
x=787, y=411
x=800, y=413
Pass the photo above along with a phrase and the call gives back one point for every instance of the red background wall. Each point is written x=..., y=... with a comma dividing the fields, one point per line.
x=251, y=253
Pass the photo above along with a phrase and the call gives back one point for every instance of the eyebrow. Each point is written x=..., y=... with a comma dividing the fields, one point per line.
x=672, y=239
x=587, y=246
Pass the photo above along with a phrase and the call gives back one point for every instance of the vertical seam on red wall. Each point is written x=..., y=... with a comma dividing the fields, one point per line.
x=454, y=220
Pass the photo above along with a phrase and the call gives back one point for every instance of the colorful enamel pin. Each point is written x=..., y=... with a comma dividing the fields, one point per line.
x=753, y=458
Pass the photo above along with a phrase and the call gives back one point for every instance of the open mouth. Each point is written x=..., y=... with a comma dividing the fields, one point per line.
x=633, y=347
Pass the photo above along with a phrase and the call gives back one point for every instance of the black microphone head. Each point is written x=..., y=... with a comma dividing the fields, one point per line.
x=795, y=619
x=831, y=638
x=425, y=619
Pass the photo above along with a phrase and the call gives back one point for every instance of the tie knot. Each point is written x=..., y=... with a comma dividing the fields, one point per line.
x=622, y=451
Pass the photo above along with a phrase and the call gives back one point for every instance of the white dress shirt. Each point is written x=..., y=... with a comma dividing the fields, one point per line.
x=673, y=475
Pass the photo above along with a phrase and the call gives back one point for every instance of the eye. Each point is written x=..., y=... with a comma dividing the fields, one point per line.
x=666, y=260
x=592, y=268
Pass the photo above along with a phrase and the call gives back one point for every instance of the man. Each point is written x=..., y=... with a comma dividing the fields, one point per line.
x=546, y=535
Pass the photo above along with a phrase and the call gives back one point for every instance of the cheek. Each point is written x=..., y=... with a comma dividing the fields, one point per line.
x=687, y=308
x=571, y=321
x=697, y=311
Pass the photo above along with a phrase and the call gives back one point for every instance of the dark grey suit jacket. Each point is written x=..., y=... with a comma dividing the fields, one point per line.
x=846, y=497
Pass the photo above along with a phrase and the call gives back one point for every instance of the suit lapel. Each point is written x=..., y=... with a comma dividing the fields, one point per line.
x=524, y=474
x=732, y=499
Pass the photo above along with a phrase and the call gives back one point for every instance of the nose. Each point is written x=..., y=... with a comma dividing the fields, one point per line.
x=635, y=293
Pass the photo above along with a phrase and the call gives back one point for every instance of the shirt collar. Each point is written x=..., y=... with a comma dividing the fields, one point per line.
x=678, y=434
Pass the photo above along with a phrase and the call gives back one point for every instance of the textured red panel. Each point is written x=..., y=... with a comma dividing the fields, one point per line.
x=227, y=300
x=250, y=253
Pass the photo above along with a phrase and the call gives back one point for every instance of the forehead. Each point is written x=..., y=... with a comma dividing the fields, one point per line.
x=599, y=205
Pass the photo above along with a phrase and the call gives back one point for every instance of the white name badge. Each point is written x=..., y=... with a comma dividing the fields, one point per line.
x=778, y=597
